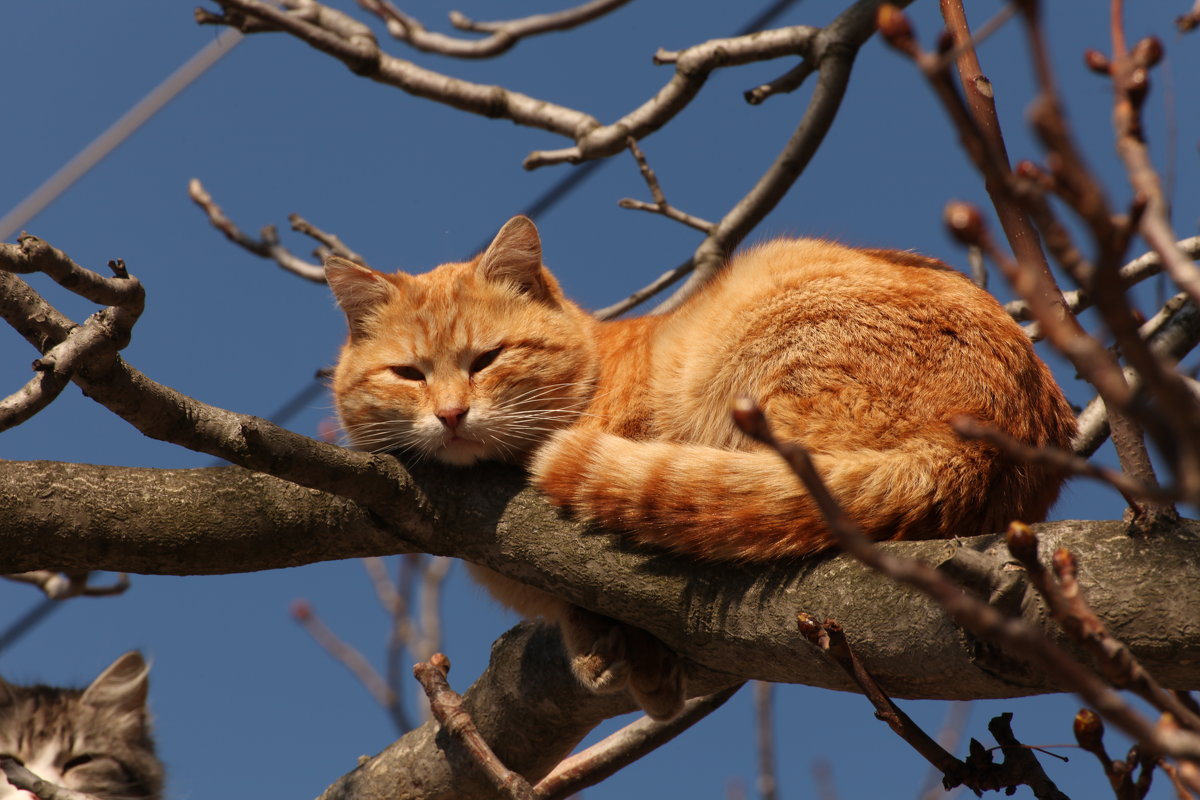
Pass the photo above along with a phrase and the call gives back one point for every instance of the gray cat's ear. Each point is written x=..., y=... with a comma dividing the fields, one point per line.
x=515, y=257
x=123, y=686
x=358, y=290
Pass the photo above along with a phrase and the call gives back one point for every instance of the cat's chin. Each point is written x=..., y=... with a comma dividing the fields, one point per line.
x=461, y=453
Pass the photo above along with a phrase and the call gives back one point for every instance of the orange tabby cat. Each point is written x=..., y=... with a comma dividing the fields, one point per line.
x=864, y=356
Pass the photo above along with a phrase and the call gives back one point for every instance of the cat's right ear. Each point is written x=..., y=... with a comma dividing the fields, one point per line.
x=515, y=258
x=358, y=290
x=123, y=686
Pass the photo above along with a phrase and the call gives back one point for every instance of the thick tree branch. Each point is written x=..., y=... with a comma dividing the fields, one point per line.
x=71, y=517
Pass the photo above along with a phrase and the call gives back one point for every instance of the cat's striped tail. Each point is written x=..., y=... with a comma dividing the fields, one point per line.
x=729, y=505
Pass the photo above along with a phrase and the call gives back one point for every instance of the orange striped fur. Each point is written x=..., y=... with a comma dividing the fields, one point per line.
x=863, y=356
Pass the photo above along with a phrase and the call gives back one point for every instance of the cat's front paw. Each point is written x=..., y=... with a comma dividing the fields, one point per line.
x=609, y=656
x=603, y=666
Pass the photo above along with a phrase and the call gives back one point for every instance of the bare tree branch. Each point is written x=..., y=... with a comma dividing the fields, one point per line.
x=627, y=745
x=61, y=585
x=660, y=204
x=1144, y=266
x=267, y=245
x=503, y=35
x=1173, y=333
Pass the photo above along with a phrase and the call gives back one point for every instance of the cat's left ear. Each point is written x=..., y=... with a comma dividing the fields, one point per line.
x=515, y=257
x=123, y=686
x=359, y=290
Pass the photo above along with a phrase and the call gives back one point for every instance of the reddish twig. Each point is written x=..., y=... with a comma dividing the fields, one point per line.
x=1139, y=269
x=447, y=708
x=829, y=637
x=353, y=660
x=1173, y=332
x=1131, y=489
x=767, y=781
x=979, y=772
x=1022, y=236
x=1190, y=20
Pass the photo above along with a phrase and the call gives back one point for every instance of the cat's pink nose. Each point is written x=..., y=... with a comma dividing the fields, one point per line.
x=451, y=417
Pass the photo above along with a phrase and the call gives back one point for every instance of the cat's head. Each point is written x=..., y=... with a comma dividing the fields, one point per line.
x=94, y=740
x=474, y=360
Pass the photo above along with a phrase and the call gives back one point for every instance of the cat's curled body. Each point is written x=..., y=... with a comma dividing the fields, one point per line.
x=863, y=356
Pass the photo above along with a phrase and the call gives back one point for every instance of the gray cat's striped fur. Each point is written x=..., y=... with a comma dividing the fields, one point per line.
x=95, y=740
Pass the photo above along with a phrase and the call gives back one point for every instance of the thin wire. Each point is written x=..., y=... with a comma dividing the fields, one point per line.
x=27, y=621
x=118, y=132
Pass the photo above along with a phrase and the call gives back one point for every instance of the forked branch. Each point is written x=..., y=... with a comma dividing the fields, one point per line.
x=502, y=36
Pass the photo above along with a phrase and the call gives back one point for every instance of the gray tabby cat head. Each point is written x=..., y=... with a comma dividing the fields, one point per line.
x=95, y=740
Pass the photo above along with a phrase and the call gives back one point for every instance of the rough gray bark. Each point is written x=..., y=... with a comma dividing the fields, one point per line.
x=739, y=620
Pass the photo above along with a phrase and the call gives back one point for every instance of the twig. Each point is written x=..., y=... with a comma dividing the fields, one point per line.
x=62, y=585
x=1131, y=489
x=829, y=637
x=978, y=773
x=622, y=748
x=448, y=709
x=23, y=779
x=1190, y=20
x=767, y=781
x=1089, y=733
x=634, y=300
x=949, y=737
x=405, y=635
x=266, y=246
x=1144, y=266
x=997, y=171
x=790, y=81
x=1069, y=607
x=108, y=330
x=1176, y=421
x=660, y=204
x=1173, y=332
x=503, y=35
x=353, y=660
x=331, y=243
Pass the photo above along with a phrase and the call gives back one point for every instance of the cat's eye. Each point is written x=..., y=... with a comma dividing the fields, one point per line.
x=409, y=373
x=78, y=761
x=484, y=360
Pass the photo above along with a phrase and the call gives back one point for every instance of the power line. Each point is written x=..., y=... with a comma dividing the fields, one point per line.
x=117, y=133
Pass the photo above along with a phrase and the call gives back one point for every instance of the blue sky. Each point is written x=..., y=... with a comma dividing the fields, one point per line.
x=246, y=704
